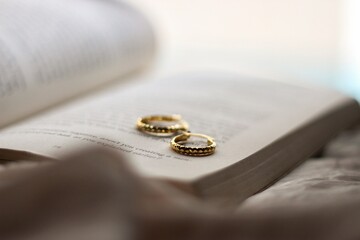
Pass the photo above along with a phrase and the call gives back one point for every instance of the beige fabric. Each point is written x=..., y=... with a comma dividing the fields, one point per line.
x=94, y=195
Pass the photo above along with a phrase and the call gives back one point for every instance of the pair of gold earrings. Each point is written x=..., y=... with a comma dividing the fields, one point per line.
x=178, y=143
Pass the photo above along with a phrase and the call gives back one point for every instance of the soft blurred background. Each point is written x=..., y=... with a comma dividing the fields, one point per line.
x=289, y=40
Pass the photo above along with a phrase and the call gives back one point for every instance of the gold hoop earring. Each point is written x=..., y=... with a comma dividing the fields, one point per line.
x=177, y=146
x=144, y=124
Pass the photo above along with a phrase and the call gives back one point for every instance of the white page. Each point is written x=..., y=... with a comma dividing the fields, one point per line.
x=52, y=50
x=243, y=116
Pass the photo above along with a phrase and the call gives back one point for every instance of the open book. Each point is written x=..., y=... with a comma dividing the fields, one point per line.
x=57, y=59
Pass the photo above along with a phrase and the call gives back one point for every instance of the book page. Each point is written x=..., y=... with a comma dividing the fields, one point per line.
x=52, y=50
x=243, y=115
